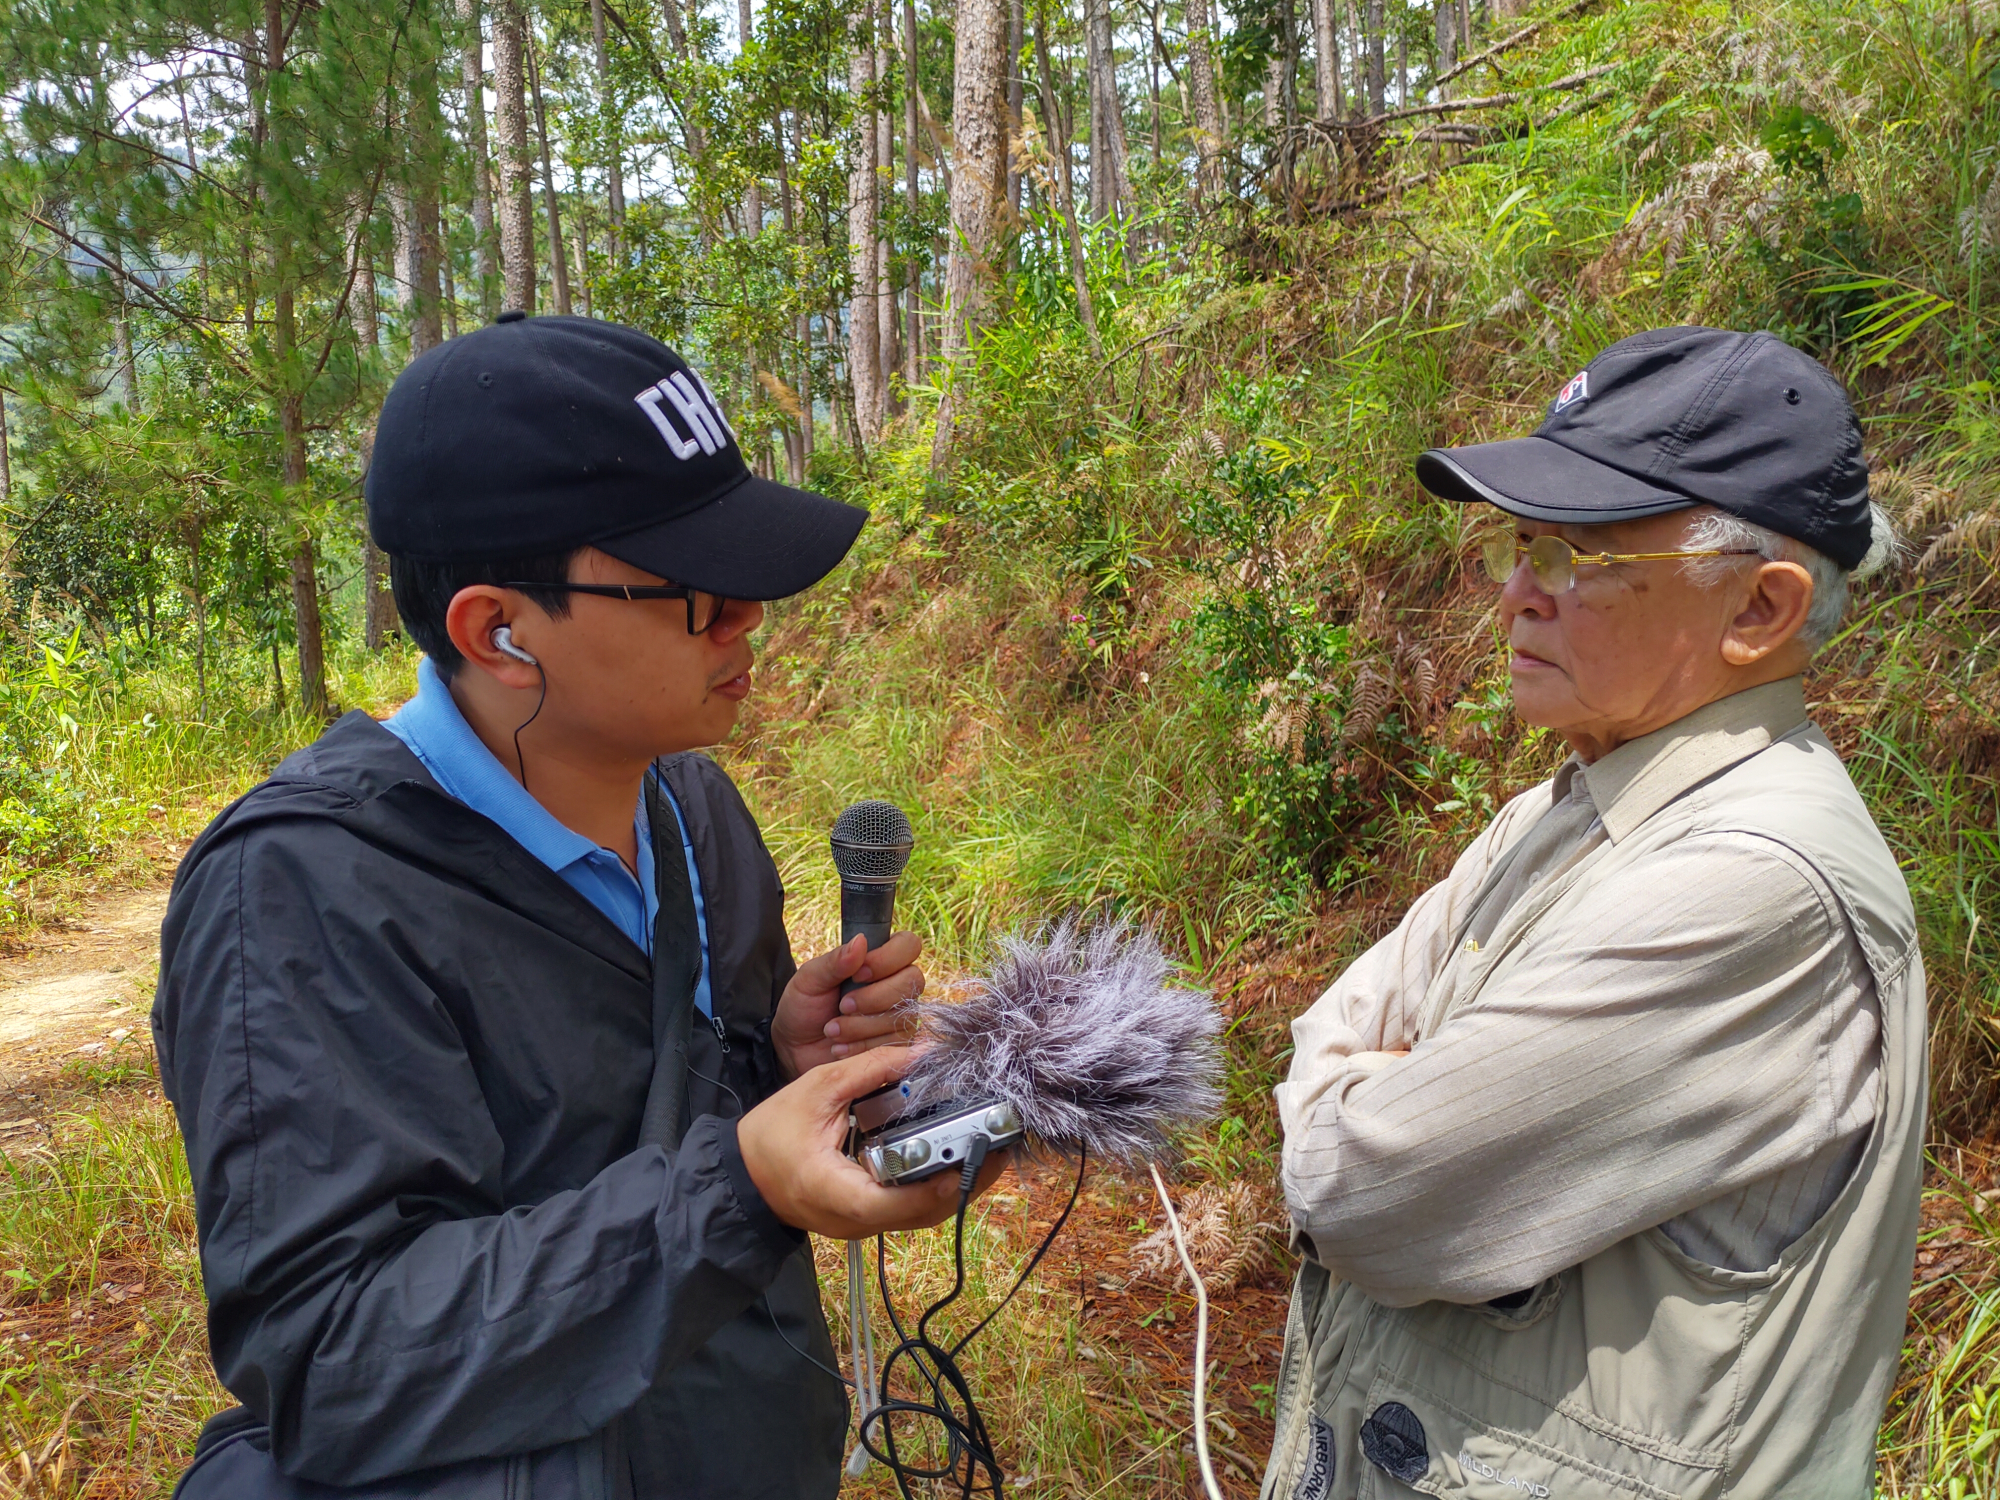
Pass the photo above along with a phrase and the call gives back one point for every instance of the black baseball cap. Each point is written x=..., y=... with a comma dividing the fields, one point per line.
x=1680, y=417
x=538, y=435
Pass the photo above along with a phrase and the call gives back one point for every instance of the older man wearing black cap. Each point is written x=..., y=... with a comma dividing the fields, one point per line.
x=506, y=1106
x=1605, y=1164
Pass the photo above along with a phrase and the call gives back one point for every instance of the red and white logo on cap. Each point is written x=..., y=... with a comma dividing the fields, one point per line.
x=709, y=430
x=1577, y=390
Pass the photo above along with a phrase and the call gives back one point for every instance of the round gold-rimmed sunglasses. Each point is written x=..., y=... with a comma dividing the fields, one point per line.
x=1554, y=561
x=703, y=608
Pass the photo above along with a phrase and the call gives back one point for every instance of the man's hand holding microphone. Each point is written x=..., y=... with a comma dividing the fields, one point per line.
x=840, y=1033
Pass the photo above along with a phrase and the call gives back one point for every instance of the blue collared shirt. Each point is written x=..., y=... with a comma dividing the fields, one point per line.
x=437, y=734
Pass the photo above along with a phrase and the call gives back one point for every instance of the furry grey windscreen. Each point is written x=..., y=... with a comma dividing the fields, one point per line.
x=872, y=842
x=1086, y=1034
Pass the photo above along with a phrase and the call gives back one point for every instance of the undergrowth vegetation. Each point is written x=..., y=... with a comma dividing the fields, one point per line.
x=1178, y=636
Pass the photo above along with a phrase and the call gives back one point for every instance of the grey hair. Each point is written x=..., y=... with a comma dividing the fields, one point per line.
x=1720, y=530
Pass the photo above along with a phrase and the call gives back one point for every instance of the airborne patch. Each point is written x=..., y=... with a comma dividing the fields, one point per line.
x=1316, y=1479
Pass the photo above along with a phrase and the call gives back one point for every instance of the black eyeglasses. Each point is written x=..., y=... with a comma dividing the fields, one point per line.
x=703, y=608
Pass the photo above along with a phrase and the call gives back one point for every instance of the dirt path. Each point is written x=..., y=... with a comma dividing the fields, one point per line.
x=82, y=989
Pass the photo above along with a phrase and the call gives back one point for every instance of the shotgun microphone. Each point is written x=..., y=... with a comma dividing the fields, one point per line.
x=871, y=844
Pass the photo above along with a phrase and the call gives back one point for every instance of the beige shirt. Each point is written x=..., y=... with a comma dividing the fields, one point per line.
x=1694, y=1046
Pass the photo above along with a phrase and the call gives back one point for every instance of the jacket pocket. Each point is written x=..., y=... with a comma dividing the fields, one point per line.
x=1496, y=1443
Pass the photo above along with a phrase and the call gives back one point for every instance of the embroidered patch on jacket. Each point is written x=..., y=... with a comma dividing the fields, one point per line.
x=1316, y=1479
x=1393, y=1440
x=1527, y=1487
x=1577, y=390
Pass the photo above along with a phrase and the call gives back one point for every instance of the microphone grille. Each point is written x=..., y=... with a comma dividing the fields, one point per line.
x=872, y=842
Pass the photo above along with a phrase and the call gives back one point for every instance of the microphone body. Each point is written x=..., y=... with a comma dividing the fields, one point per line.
x=871, y=844
x=867, y=910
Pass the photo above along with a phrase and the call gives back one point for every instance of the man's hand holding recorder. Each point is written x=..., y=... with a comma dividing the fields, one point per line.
x=506, y=1106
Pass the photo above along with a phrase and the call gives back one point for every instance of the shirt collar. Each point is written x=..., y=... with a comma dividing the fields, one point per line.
x=433, y=727
x=1642, y=776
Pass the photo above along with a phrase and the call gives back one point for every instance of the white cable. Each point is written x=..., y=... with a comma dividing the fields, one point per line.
x=1200, y=1339
x=861, y=1345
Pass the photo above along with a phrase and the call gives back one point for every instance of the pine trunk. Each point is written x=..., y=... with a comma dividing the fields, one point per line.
x=614, y=168
x=1207, y=103
x=1016, y=98
x=510, y=128
x=472, y=75
x=978, y=184
x=753, y=195
x=1108, y=149
x=864, y=344
x=1065, y=198
x=305, y=574
x=415, y=205
x=362, y=307
x=913, y=319
x=379, y=616
x=885, y=193
x=1378, y=76
x=1326, y=59
x=558, y=257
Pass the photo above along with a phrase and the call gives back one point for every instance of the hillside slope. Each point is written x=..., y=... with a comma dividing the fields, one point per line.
x=1179, y=636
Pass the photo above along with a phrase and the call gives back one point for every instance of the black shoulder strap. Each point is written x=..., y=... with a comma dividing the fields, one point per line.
x=676, y=966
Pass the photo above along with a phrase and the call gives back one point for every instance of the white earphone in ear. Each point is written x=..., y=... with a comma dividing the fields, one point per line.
x=503, y=642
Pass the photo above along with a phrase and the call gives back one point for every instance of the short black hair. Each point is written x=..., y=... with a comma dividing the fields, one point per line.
x=424, y=591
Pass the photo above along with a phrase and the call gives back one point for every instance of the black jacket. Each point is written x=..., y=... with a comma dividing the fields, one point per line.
x=473, y=1218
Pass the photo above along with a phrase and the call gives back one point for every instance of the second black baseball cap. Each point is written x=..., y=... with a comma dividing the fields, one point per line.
x=1679, y=417
x=538, y=435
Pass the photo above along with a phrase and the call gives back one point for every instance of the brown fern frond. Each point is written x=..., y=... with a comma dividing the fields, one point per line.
x=1232, y=1232
x=1423, y=684
x=1967, y=535
x=1366, y=706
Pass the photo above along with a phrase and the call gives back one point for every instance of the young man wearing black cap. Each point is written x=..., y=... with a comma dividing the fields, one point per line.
x=506, y=1107
x=1605, y=1164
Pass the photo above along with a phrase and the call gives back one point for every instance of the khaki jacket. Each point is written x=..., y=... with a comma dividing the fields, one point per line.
x=1642, y=1371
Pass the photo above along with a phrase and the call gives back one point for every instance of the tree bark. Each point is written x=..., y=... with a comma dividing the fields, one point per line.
x=913, y=319
x=292, y=448
x=414, y=204
x=1065, y=198
x=510, y=128
x=1107, y=115
x=363, y=307
x=558, y=257
x=885, y=193
x=1447, y=35
x=753, y=195
x=864, y=342
x=6, y=459
x=978, y=183
x=1016, y=99
x=607, y=103
x=379, y=617
x=1378, y=80
x=1207, y=104
x=472, y=79
x=1328, y=100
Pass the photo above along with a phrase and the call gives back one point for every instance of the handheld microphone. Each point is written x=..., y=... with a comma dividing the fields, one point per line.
x=871, y=844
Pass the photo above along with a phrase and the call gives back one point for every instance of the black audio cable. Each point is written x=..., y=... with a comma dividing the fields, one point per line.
x=936, y=1365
